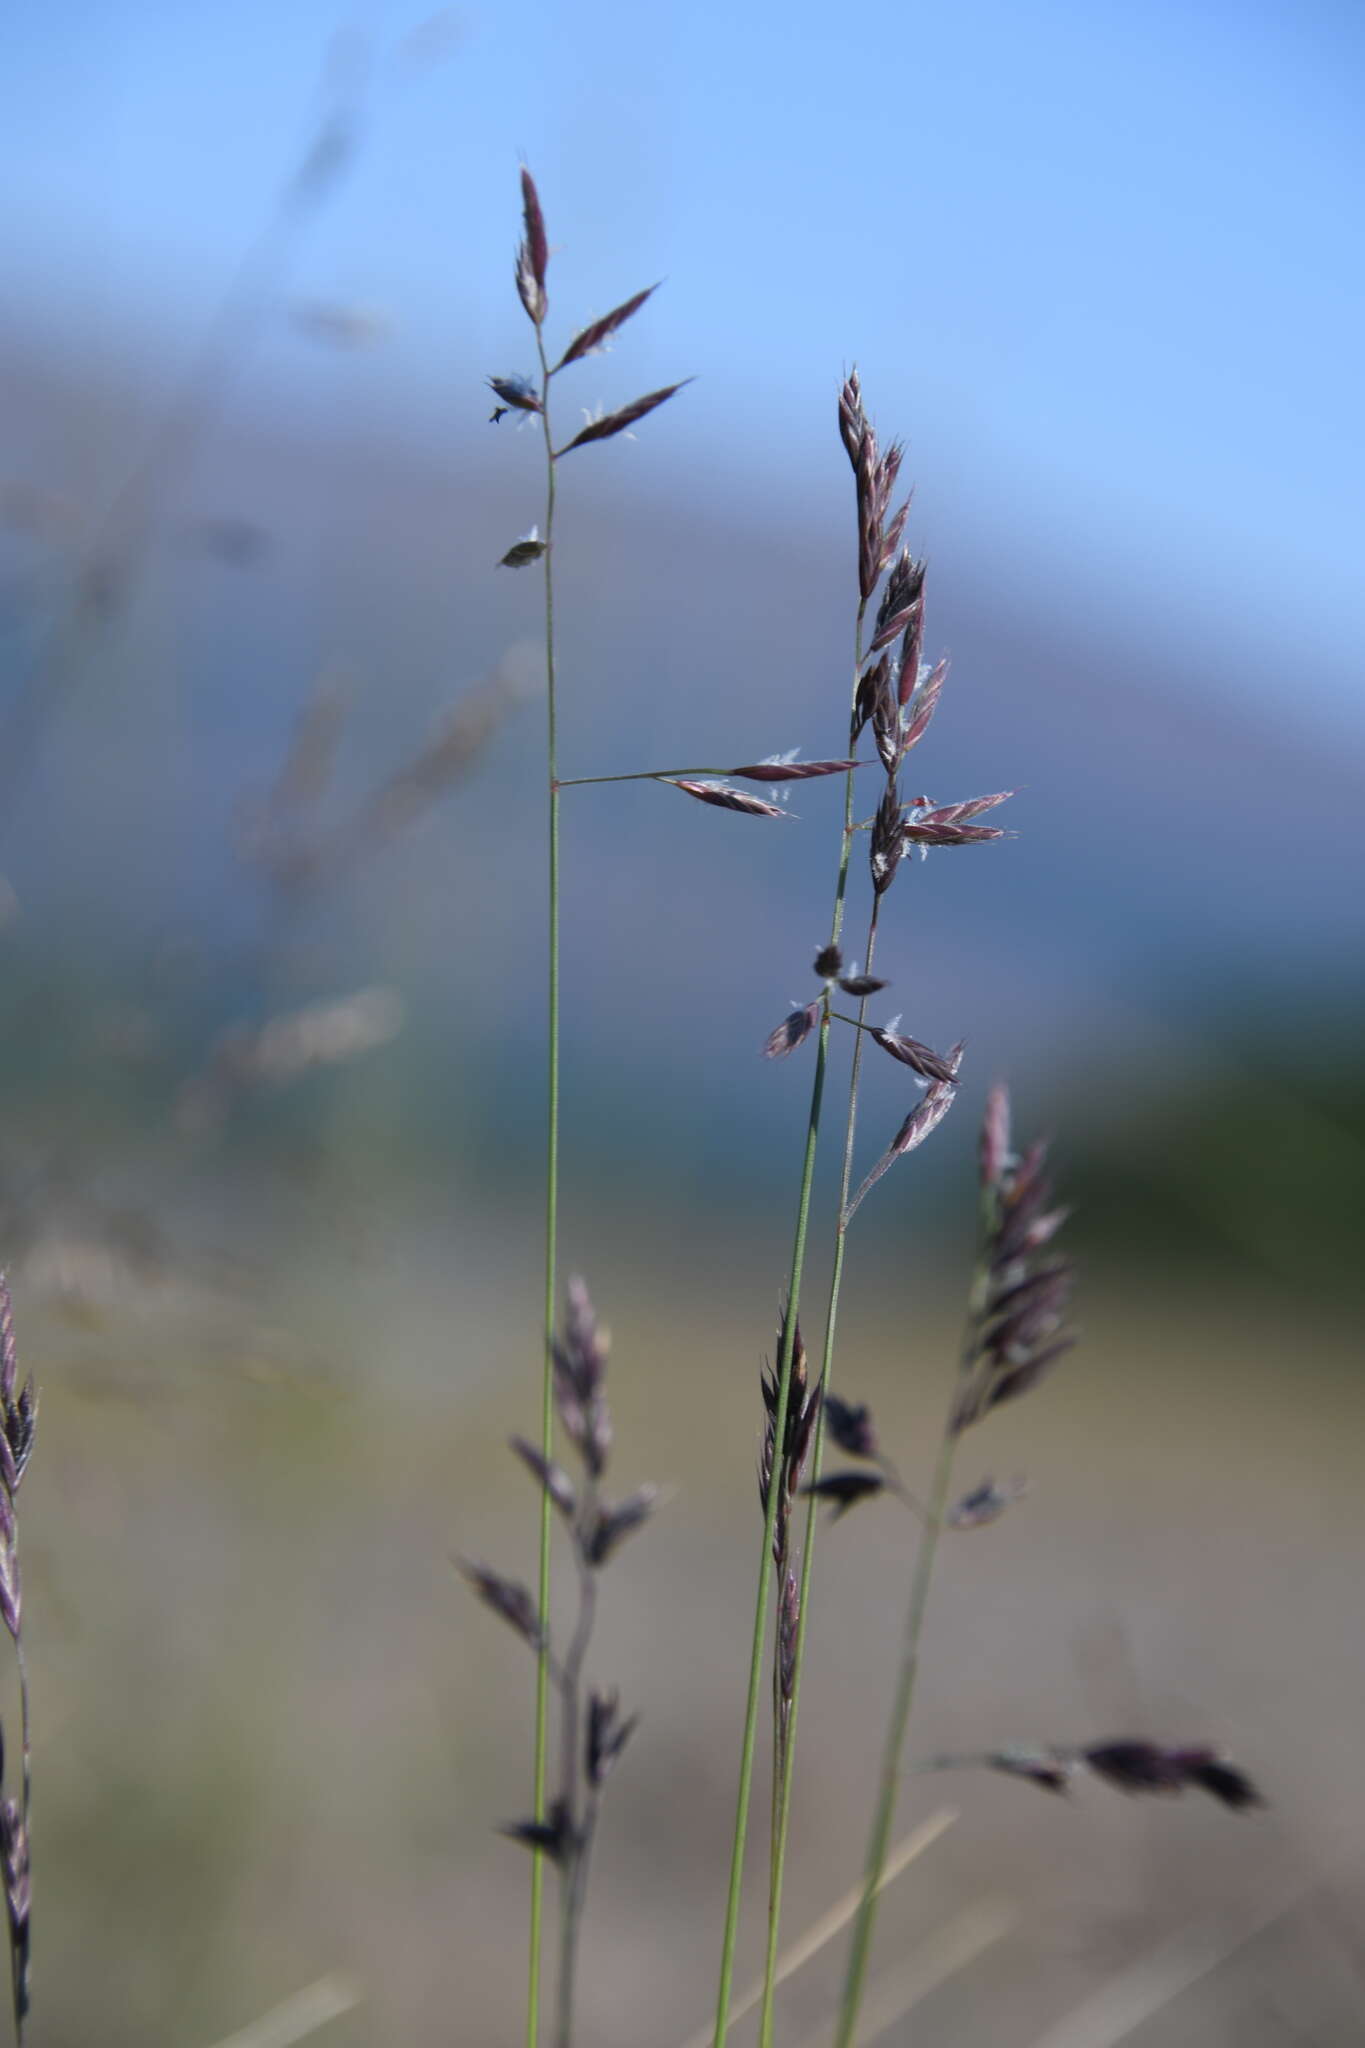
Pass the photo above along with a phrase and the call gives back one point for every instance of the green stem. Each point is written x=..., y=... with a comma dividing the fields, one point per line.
x=575, y=1892
x=782, y=1788
x=779, y=1736
x=641, y=775
x=746, y=1766
x=891, y=1771
x=542, y=1710
x=750, y=1739
x=573, y=1876
x=884, y=1814
x=784, y=1779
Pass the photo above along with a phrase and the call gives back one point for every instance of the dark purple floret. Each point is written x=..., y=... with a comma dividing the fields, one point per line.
x=844, y=1490
x=850, y=1425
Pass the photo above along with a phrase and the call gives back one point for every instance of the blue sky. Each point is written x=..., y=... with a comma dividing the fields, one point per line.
x=1103, y=263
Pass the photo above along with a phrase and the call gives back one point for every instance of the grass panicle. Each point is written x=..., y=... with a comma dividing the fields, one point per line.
x=1131, y=1764
x=895, y=695
x=1015, y=1332
x=521, y=394
x=592, y=1729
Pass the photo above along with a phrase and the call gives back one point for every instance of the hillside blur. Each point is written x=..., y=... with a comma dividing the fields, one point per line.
x=271, y=1056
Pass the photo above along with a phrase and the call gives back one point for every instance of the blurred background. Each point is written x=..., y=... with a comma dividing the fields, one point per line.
x=271, y=880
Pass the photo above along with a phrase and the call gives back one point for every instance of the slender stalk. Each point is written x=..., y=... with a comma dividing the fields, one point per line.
x=542, y=1709
x=786, y=1773
x=779, y=1738
x=746, y=1768
x=858, y=1023
x=783, y=1770
x=641, y=775
x=575, y=1892
x=860, y=1946
x=897, y=1486
x=574, y=1877
x=835, y=1919
x=750, y=1738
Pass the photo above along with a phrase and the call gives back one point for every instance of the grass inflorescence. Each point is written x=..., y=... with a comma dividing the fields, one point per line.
x=1016, y=1327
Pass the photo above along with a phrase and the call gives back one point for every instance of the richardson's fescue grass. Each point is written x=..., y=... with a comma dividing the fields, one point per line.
x=1015, y=1331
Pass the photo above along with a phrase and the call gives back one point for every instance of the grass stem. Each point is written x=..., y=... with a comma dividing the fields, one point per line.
x=834, y=1919
x=782, y=1785
x=783, y=1790
x=573, y=1877
x=542, y=1705
x=727, y=1963
x=784, y=1364
x=884, y=1814
x=640, y=775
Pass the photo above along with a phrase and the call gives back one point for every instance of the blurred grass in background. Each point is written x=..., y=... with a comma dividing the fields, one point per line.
x=274, y=1737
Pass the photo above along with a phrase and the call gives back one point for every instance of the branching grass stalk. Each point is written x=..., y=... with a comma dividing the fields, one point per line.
x=572, y=1374
x=542, y=1709
x=896, y=696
